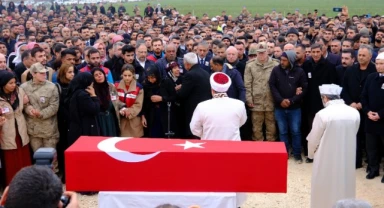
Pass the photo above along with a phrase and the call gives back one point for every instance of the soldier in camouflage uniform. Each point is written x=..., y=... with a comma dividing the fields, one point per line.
x=258, y=95
x=42, y=109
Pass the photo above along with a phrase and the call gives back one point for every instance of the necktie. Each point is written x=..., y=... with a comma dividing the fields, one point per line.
x=202, y=61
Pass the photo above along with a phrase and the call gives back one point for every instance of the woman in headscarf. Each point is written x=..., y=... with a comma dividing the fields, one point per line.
x=101, y=48
x=158, y=94
x=131, y=95
x=108, y=118
x=84, y=106
x=15, y=57
x=14, y=138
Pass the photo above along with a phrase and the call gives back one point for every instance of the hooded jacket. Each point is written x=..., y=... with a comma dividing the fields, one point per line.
x=283, y=83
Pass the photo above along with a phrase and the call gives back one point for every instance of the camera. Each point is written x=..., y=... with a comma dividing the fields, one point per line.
x=64, y=200
x=45, y=157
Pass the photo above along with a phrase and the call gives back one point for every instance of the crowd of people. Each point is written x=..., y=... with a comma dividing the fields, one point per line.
x=96, y=71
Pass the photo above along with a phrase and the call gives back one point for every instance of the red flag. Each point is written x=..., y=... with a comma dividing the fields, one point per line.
x=170, y=165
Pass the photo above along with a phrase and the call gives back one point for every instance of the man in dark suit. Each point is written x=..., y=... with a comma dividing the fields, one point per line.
x=203, y=57
x=330, y=57
x=26, y=62
x=347, y=60
x=353, y=83
x=372, y=101
x=195, y=88
x=319, y=71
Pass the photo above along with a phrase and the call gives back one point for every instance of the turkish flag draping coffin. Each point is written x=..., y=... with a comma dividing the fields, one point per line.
x=171, y=165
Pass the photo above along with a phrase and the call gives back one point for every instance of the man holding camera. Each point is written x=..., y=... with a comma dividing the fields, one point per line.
x=29, y=189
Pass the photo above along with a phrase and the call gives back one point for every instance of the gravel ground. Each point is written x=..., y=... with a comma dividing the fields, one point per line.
x=298, y=195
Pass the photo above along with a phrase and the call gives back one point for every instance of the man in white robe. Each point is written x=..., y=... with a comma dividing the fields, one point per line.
x=332, y=145
x=221, y=117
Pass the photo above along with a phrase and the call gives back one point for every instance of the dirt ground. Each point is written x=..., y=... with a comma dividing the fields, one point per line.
x=298, y=195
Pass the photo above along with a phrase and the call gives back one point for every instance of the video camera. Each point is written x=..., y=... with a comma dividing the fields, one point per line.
x=45, y=157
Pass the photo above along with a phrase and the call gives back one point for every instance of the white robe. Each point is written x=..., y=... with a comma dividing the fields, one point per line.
x=218, y=119
x=332, y=145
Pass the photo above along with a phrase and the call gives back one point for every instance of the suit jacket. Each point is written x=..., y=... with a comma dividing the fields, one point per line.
x=195, y=89
x=353, y=83
x=322, y=72
x=372, y=99
x=205, y=65
x=334, y=59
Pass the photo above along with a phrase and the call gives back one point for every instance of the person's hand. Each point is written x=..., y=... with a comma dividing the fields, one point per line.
x=25, y=99
x=178, y=87
x=344, y=11
x=144, y=121
x=251, y=105
x=359, y=106
x=353, y=105
x=73, y=202
x=126, y=112
x=34, y=112
x=122, y=111
x=2, y=120
x=299, y=90
x=373, y=116
x=156, y=98
x=91, y=91
x=285, y=103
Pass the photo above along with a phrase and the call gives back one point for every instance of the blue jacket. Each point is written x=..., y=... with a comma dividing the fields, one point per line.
x=237, y=88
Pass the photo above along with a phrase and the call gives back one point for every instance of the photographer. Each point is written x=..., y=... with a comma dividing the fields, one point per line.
x=36, y=187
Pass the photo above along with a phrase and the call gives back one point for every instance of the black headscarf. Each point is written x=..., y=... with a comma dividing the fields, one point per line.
x=153, y=70
x=102, y=90
x=80, y=82
x=12, y=98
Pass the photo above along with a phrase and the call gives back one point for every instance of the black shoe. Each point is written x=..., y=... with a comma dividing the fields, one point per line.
x=372, y=174
x=298, y=159
x=382, y=180
x=308, y=160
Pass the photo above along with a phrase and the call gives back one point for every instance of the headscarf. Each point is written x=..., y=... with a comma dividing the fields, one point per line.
x=153, y=70
x=12, y=98
x=18, y=54
x=102, y=90
x=80, y=82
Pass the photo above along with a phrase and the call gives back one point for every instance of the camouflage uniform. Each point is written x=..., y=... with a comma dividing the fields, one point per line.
x=256, y=79
x=43, y=131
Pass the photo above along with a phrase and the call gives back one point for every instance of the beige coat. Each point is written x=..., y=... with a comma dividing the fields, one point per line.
x=131, y=126
x=25, y=74
x=256, y=78
x=45, y=98
x=8, y=130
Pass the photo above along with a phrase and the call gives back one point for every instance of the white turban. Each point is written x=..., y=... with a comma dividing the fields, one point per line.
x=330, y=89
x=380, y=56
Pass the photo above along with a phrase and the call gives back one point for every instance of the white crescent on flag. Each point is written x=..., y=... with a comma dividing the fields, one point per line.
x=109, y=146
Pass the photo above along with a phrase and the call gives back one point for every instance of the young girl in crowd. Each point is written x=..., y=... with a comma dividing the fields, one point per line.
x=14, y=138
x=64, y=76
x=108, y=118
x=131, y=95
x=158, y=94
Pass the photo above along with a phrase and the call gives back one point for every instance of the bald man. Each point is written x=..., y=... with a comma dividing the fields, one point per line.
x=289, y=47
x=232, y=58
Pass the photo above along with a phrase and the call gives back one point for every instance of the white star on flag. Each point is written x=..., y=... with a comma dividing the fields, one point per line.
x=189, y=144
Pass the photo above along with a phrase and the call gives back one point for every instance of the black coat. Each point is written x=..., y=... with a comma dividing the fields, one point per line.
x=19, y=70
x=372, y=99
x=195, y=88
x=317, y=74
x=167, y=91
x=340, y=72
x=283, y=86
x=83, y=110
x=206, y=63
x=354, y=80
